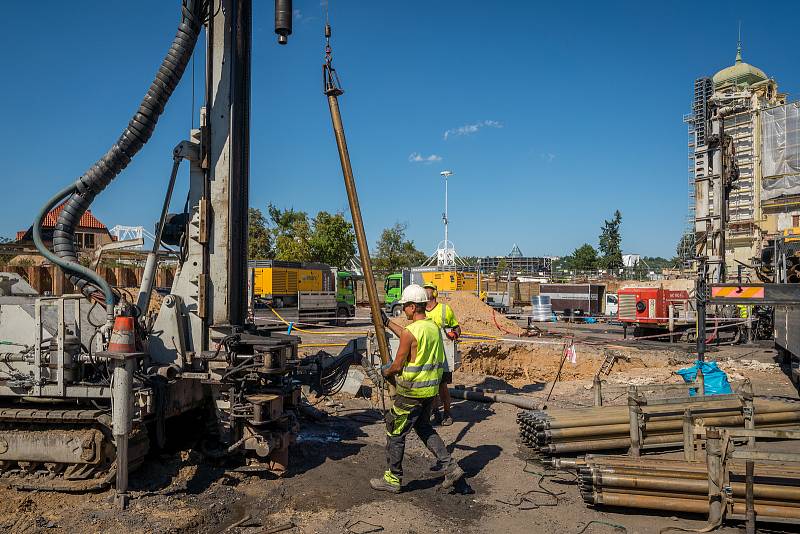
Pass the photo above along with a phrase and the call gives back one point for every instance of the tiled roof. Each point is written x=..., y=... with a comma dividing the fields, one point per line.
x=87, y=219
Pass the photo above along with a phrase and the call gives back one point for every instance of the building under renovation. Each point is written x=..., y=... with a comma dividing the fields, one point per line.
x=760, y=193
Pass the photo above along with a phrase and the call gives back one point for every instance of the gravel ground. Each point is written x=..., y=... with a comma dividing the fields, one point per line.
x=327, y=489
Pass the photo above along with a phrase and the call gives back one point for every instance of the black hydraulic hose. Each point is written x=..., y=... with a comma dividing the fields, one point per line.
x=84, y=271
x=135, y=135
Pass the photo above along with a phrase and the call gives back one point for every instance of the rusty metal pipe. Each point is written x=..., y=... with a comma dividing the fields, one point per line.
x=693, y=486
x=358, y=226
x=564, y=434
x=608, y=444
x=514, y=400
x=676, y=413
x=690, y=505
x=672, y=504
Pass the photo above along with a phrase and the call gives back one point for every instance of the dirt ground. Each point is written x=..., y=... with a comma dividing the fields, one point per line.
x=327, y=489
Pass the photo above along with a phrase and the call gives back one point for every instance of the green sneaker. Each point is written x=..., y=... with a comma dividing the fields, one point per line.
x=380, y=484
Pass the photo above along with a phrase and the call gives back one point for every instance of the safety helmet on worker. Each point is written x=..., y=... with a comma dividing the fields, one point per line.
x=433, y=288
x=414, y=293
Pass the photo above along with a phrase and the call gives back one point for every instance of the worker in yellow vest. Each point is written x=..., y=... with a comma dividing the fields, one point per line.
x=417, y=370
x=444, y=317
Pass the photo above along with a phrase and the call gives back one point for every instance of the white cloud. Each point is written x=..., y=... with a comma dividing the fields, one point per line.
x=468, y=129
x=416, y=157
x=548, y=157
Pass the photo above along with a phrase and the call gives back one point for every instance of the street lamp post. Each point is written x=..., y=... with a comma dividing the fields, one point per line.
x=446, y=175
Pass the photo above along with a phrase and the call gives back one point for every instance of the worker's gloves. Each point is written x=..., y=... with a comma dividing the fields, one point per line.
x=374, y=374
x=384, y=318
x=385, y=368
x=452, y=335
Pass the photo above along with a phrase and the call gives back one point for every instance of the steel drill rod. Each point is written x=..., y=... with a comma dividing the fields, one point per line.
x=690, y=505
x=514, y=400
x=568, y=434
x=687, y=485
x=590, y=492
x=619, y=414
x=611, y=444
x=358, y=227
x=672, y=504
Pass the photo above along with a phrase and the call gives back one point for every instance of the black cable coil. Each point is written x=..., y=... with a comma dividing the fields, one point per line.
x=135, y=135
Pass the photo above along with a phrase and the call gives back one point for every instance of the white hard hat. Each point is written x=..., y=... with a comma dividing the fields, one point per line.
x=414, y=293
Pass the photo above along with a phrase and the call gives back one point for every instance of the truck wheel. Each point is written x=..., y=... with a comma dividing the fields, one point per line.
x=341, y=317
x=397, y=310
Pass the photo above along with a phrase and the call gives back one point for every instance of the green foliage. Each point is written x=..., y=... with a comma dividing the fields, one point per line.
x=394, y=251
x=327, y=238
x=332, y=240
x=291, y=231
x=259, y=241
x=583, y=258
x=611, y=243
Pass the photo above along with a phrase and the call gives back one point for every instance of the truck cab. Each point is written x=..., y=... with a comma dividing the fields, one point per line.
x=345, y=295
x=393, y=288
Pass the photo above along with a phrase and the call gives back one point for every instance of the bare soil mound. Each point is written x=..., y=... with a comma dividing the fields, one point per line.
x=539, y=362
x=476, y=317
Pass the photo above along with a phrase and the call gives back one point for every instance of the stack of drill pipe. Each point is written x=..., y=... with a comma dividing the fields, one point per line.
x=679, y=486
x=556, y=432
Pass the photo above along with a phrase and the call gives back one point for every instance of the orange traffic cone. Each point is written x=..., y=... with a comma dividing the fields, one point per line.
x=122, y=336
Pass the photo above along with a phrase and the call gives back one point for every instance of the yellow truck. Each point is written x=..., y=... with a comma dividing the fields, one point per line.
x=307, y=292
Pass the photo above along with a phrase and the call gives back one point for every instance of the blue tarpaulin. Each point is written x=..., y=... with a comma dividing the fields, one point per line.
x=714, y=378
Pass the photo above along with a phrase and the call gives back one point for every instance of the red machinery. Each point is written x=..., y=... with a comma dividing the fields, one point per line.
x=653, y=307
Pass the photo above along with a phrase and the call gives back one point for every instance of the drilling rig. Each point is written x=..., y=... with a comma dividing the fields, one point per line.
x=88, y=381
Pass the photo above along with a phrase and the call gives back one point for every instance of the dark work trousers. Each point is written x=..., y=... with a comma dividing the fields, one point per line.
x=408, y=413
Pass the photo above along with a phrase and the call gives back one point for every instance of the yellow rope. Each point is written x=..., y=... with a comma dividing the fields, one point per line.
x=475, y=334
x=284, y=321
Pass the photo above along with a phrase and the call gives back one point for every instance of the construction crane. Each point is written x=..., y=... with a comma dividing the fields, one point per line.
x=88, y=381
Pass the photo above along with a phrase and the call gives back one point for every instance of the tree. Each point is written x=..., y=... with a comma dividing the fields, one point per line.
x=610, y=243
x=394, y=251
x=332, y=240
x=583, y=258
x=291, y=231
x=259, y=241
x=327, y=238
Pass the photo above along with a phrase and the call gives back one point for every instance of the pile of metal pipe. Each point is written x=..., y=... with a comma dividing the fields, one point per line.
x=554, y=432
x=679, y=486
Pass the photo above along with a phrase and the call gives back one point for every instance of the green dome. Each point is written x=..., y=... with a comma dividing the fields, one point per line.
x=739, y=73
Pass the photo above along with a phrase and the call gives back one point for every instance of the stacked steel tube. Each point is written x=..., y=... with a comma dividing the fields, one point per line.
x=555, y=432
x=679, y=486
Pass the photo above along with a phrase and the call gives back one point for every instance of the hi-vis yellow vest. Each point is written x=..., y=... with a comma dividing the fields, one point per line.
x=420, y=378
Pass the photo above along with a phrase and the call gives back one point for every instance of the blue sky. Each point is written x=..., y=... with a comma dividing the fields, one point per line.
x=551, y=116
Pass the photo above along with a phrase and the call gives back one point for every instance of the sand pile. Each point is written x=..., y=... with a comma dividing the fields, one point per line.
x=529, y=363
x=477, y=317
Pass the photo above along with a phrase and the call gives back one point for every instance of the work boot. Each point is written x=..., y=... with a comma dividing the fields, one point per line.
x=453, y=475
x=437, y=418
x=447, y=420
x=380, y=484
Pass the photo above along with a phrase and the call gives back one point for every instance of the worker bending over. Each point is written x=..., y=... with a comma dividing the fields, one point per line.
x=445, y=318
x=417, y=369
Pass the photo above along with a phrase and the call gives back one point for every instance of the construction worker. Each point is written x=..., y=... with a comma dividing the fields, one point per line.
x=417, y=369
x=444, y=317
